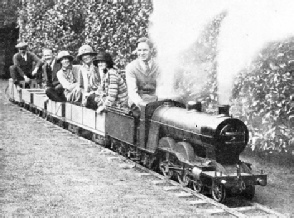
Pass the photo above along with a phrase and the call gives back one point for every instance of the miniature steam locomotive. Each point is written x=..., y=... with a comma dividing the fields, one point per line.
x=200, y=150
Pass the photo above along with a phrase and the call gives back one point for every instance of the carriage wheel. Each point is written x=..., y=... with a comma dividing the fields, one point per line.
x=197, y=186
x=123, y=150
x=219, y=192
x=184, y=178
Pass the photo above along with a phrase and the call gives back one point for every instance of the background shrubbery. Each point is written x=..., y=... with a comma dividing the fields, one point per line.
x=113, y=27
x=261, y=96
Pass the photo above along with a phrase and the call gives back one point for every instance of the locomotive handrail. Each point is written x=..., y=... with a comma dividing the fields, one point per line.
x=234, y=133
x=235, y=142
x=189, y=131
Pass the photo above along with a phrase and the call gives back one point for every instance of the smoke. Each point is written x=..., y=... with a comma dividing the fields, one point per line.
x=248, y=26
x=175, y=27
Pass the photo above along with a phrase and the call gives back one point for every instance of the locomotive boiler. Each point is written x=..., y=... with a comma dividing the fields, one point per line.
x=199, y=149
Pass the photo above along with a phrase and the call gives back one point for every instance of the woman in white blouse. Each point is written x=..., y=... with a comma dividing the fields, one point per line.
x=69, y=77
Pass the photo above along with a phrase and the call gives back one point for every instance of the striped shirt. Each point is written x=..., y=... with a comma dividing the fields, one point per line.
x=114, y=88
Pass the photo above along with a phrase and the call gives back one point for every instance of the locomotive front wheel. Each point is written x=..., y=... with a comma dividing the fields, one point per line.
x=218, y=192
x=184, y=179
x=197, y=186
x=249, y=192
x=165, y=170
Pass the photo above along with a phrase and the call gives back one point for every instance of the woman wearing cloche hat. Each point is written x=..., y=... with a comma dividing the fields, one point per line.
x=113, y=86
x=69, y=77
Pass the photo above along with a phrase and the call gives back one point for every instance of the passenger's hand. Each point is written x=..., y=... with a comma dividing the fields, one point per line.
x=87, y=94
x=27, y=79
x=84, y=102
x=100, y=109
x=142, y=103
x=18, y=88
x=35, y=71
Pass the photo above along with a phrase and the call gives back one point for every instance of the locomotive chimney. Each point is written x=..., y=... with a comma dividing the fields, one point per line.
x=224, y=109
x=190, y=105
x=198, y=106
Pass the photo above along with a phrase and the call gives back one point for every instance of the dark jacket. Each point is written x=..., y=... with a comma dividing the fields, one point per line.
x=25, y=67
x=50, y=75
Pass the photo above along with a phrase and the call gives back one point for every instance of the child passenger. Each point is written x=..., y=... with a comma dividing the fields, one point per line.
x=69, y=77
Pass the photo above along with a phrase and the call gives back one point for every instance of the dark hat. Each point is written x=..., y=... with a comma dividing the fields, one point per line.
x=64, y=54
x=104, y=56
x=21, y=45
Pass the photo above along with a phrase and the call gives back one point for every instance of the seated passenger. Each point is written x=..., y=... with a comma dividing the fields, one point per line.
x=69, y=77
x=25, y=65
x=90, y=77
x=53, y=88
x=141, y=75
x=113, y=86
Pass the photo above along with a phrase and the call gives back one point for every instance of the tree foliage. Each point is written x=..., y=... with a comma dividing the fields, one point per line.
x=113, y=27
x=262, y=96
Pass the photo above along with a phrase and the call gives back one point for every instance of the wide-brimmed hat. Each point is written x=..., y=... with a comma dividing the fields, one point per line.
x=85, y=50
x=64, y=54
x=21, y=45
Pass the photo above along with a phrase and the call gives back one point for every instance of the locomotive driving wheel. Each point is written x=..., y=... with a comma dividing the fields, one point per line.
x=184, y=178
x=249, y=192
x=218, y=192
x=164, y=167
x=197, y=186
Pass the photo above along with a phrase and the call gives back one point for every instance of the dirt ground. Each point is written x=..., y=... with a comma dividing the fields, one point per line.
x=48, y=172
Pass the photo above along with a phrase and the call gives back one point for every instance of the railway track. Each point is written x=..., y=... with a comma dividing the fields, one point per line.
x=204, y=204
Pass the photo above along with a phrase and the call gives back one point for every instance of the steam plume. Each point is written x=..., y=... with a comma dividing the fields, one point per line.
x=248, y=26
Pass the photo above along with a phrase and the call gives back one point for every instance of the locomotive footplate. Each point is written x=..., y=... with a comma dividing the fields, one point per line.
x=236, y=180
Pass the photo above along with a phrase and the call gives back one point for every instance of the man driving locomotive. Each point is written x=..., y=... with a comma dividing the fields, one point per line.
x=141, y=75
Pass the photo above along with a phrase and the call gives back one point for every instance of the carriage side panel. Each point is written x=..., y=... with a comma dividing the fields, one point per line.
x=121, y=126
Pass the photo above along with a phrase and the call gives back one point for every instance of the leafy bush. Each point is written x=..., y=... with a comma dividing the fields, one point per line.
x=262, y=98
x=116, y=28
x=113, y=27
